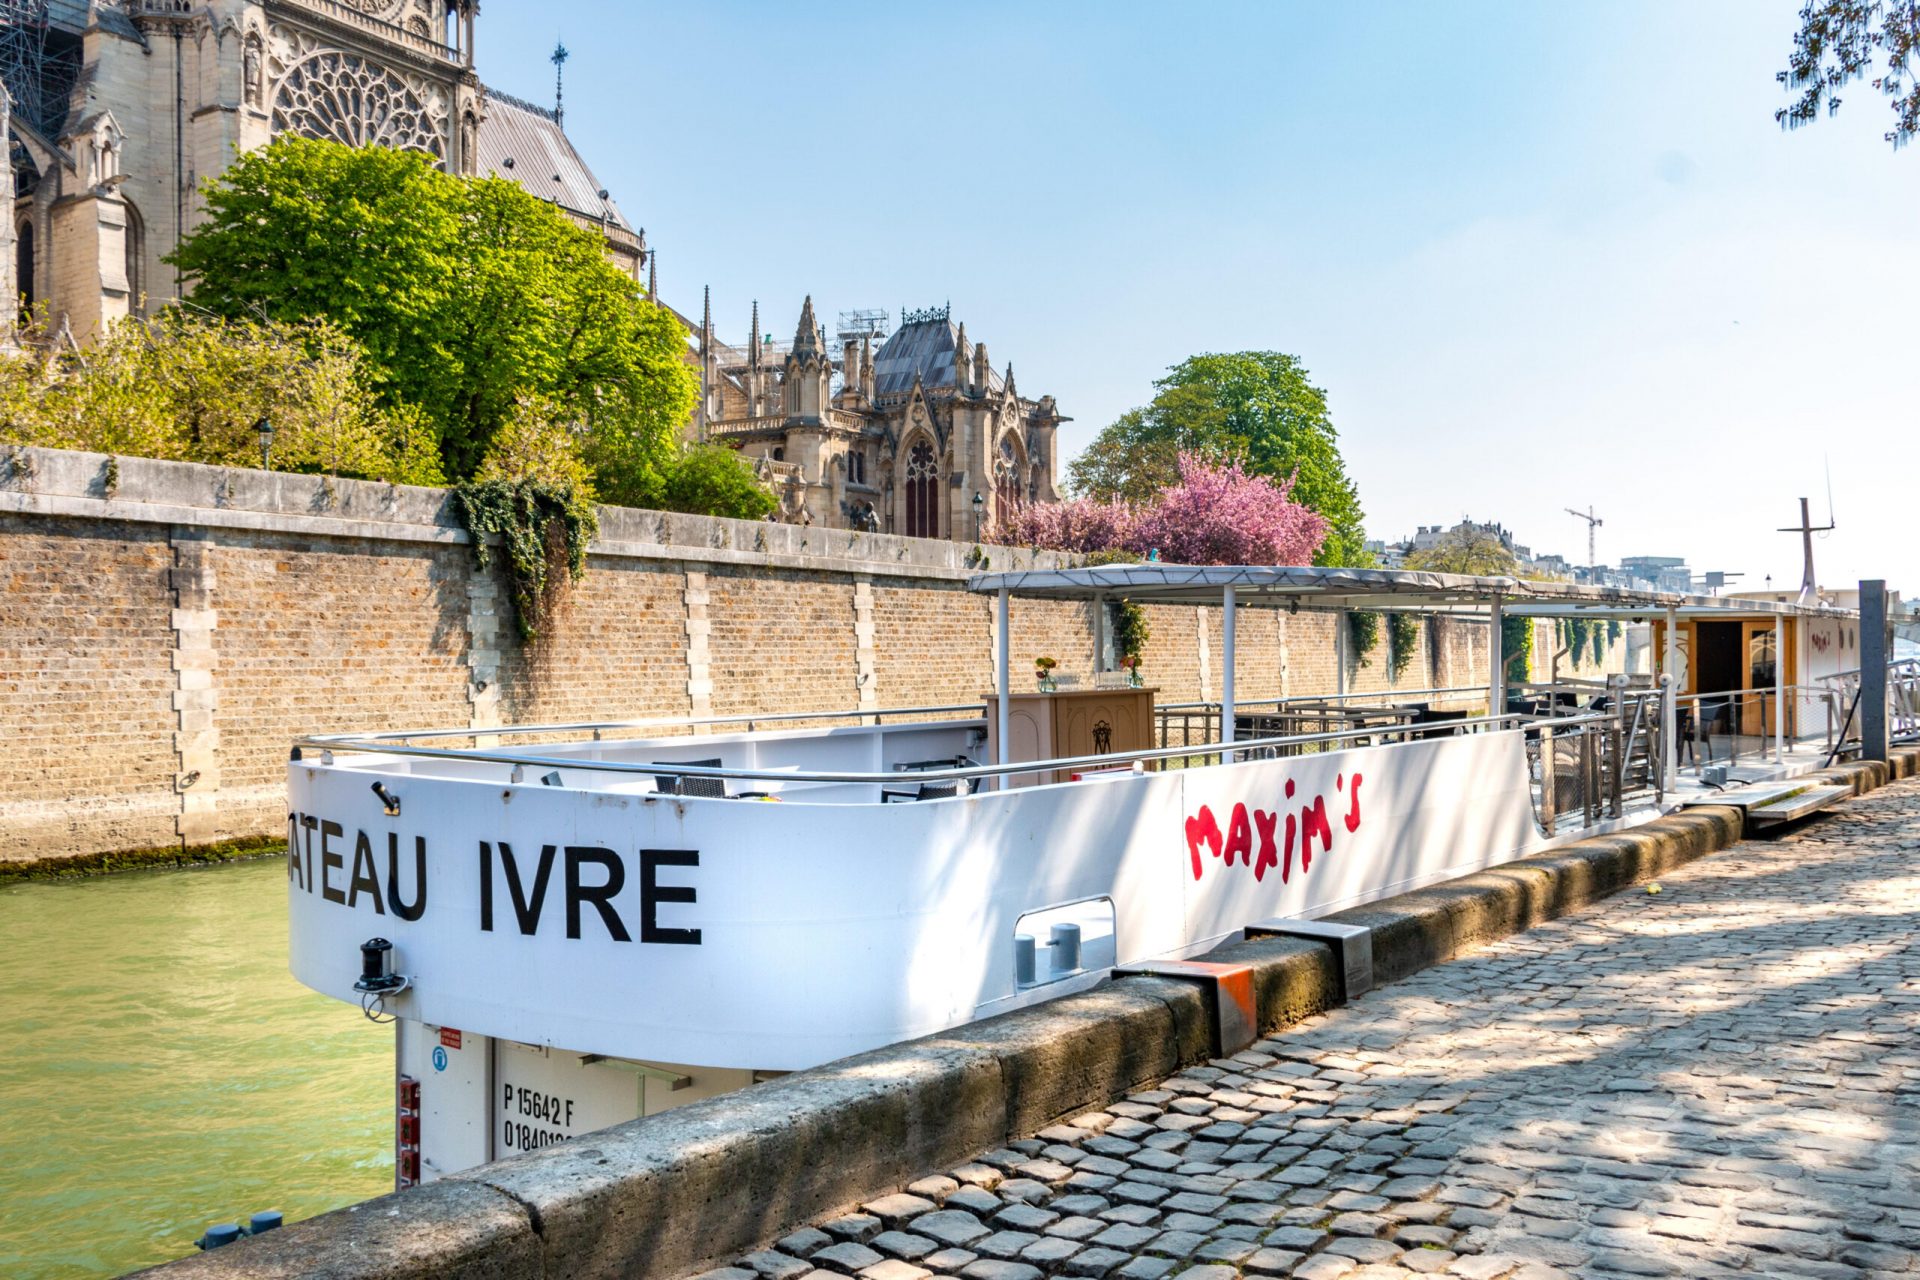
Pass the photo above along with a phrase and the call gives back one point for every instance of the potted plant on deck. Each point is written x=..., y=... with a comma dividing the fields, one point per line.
x=1043, y=672
x=1130, y=663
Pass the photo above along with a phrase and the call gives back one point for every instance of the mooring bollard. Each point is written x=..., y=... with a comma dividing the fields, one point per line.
x=220, y=1233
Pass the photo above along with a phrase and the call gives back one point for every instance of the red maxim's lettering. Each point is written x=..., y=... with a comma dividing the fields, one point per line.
x=1239, y=836
x=1314, y=818
x=1249, y=837
x=1265, y=821
x=1199, y=829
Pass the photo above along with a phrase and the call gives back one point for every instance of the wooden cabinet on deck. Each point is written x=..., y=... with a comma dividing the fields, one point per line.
x=1070, y=722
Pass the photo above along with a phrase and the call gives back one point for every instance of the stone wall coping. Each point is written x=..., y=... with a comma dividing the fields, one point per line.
x=73, y=484
x=664, y=1196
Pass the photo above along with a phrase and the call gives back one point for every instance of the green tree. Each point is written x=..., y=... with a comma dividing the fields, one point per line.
x=193, y=388
x=1256, y=408
x=1465, y=549
x=1840, y=41
x=468, y=293
x=713, y=480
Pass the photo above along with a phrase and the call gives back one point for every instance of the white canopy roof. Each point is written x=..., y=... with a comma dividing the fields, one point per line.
x=1309, y=587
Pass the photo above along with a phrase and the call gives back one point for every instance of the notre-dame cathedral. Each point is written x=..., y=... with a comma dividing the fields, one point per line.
x=116, y=111
x=911, y=432
x=120, y=109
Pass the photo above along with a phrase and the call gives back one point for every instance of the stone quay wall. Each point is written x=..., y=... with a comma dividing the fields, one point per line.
x=167, y=629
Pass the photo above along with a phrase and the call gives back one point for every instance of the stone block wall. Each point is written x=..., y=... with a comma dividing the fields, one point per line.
x=167, y=629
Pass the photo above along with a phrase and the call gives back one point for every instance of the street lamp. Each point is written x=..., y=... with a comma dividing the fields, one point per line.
x=265, y=428
x=979, y=510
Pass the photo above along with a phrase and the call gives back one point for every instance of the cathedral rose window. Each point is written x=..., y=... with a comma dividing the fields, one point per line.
x=345, y=98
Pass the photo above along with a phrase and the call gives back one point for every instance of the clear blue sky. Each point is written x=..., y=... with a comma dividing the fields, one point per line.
x=1538, y=255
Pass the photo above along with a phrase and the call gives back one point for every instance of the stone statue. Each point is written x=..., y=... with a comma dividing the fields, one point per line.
x=250, y=71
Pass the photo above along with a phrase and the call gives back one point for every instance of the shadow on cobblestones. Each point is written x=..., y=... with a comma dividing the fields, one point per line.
x=1719, y=1079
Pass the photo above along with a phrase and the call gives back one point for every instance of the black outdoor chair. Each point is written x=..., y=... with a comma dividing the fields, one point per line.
x=923, y=766
x=947, y=790
x=680, y=784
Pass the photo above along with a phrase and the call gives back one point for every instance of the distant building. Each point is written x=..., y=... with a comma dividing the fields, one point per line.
x=913, y=433
x=1661, y=573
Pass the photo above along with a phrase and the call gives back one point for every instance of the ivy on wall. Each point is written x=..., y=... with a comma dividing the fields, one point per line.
x=546, y=529
x=1363, y=630
x=1130, y=630
x=1516, y=637
x=1403, y=633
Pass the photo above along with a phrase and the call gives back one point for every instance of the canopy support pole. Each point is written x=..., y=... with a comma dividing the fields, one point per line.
x=1497, y=661
x=1003, y=678
x=1226, y=668
x=1342, y=636
x=1670, y=703
x=1780, y=688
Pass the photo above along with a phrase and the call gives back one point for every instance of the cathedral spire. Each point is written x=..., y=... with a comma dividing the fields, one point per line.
x=806, y=339
x=653, y=277
x=753, y=338
x=706, y=313
x=558, y=58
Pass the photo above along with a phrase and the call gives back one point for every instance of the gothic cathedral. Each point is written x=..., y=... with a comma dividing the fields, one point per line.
x=117, y=110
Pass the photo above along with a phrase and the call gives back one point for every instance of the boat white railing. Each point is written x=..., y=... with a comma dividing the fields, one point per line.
x=752, y=721
x=1615, y=753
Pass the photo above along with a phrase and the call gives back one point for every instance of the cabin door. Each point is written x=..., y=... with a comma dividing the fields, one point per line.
x=1760, y=641
x=1718, y=664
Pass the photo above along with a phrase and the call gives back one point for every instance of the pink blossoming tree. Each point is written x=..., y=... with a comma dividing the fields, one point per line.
x=1212, y=515
x=1078, y=524
x=1222, y=515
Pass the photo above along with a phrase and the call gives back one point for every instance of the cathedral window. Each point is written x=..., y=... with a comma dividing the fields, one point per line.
x=1007, y=472
x=345, y=98
x=857, y=467
x=923, y=492
x=23, y=275
x=136, y=245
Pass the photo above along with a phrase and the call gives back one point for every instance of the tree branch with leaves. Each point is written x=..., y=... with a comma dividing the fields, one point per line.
x=1841, y=41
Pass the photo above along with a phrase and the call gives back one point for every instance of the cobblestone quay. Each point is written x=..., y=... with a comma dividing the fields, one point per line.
x=1717, y=1079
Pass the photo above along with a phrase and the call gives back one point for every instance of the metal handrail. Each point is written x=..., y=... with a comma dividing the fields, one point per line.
x=1478, y=690
x=374, y=745
x=664, y=722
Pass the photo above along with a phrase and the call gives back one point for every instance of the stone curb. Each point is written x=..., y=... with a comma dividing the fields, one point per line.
x=664, y=1196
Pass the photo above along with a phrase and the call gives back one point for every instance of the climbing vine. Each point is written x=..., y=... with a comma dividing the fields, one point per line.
x=1130, y=630
x=1403, y=633
x=545, y=528
x=1516, y=637
x=1363, y=629
x=1585, y=639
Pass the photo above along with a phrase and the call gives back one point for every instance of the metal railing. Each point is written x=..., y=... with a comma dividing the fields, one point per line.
x=402, y=743
x=1903, y=700
x=1197, y=724
x=1596, y=764
x=1719, y=727
x=599, y=728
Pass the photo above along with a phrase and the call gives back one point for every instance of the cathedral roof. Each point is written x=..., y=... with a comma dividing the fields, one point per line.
x=922, y=349
x=523, y=142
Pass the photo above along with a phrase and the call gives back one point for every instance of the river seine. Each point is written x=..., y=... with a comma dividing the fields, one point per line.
x=160, y=1071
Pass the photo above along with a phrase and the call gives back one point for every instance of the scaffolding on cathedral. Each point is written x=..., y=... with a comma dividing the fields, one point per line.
x=855, y=325
x=40, y=59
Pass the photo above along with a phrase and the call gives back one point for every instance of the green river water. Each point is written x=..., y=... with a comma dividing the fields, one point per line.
x=160, y=1070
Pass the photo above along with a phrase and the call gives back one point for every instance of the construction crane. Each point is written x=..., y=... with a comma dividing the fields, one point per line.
x=1593, y=523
